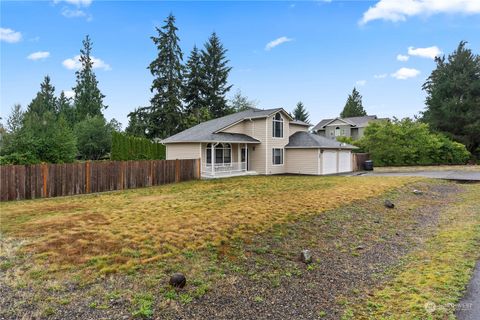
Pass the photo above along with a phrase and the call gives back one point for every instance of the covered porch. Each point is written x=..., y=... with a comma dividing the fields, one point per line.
x=226, y=159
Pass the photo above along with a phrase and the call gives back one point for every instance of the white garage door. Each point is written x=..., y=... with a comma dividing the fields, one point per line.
x=345, y=161
x=329, y=162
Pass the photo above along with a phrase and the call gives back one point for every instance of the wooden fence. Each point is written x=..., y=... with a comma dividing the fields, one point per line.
x=358, y=161
x=53, y=180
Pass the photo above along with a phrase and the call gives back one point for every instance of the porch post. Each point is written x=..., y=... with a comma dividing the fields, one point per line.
x=213, y=158
x=246, y=157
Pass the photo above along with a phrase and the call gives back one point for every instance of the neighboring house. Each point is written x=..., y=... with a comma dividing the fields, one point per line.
x=353, y=127
x=258, y=141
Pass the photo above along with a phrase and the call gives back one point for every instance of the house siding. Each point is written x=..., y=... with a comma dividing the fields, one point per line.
x=330, y=130
x=303, y=161
x=295, y=128
x=182, y=151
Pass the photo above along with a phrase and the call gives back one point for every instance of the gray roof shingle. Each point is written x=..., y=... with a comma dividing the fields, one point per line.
x=302, y=139
x=206, y=131
x=358, y=122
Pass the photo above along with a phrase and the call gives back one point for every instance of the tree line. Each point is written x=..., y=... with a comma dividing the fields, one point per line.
x=60, y=129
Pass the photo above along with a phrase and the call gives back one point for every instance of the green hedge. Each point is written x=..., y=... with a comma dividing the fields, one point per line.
x=409, y=142
x=125, y=147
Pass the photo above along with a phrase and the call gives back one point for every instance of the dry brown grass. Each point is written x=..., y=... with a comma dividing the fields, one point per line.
x=121, y=230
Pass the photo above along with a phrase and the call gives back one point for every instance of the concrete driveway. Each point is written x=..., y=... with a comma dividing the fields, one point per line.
x=447, y=174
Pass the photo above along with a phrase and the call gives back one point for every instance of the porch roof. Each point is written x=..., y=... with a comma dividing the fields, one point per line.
x=217, y=137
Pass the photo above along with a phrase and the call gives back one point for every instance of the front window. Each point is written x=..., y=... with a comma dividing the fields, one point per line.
x=277, y=126
x=277, y=156
x=223, y=153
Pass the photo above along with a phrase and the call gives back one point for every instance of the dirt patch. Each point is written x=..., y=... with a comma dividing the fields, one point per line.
x=353, y=248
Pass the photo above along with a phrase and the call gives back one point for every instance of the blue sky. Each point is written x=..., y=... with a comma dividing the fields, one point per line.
x=318, y=50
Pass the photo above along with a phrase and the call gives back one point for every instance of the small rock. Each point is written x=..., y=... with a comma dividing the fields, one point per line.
x=360, y=247
x=417, y=192
x=178, y=280
x=306, y=256
x=389, y=204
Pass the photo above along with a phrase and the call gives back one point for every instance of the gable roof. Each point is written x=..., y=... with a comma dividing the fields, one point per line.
x=209, y=131
x=358, y=122
x=302, y=139
x=300, y=123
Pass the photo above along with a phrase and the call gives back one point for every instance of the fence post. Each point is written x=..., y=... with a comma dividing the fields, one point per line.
x=177, y=170
x=45, y=177
x=87, y=177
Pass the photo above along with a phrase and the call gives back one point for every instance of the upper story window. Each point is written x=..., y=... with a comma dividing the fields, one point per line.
x=277, y=126
x=337, y=131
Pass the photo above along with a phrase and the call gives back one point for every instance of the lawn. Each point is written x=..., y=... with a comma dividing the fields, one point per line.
x=119, y=231
x=110, y=255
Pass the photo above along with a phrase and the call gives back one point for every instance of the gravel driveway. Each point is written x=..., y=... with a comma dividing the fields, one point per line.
x=448, y=175
x=469, y=306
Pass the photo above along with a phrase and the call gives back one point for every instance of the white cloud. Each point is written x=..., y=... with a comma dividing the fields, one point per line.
x=38, y=55
x=272, y=44
x=402, y=57
x=69, y=93
x=399, y=10
x=74, y=63
x=9, y=35
x=361, y=83
x=78, y=3
x=430, y=52
x=405, y=73
x=380, y=76
x=76, y=13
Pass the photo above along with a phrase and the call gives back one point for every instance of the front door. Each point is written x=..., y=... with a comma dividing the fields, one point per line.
x=244, y=157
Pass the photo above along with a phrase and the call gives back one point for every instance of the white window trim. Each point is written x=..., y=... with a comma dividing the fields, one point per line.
x=283, y=157
x=223, y=163
x=273, y=126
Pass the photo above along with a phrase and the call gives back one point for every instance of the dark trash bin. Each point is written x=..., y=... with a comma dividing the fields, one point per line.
x=368, y=165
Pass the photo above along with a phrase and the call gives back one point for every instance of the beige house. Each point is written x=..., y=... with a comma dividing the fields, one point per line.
x=344, y=127
x=258, y=141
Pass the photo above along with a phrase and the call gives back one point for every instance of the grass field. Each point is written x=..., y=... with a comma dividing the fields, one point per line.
x=98, y=253
x=121, y=231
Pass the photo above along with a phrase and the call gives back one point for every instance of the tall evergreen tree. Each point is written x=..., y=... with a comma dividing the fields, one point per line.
x=45, y=100
x=239, y=102
x=65, y=109
x=137, y=122
x=353, y=107
x=15, y=120
x=196, y=110
x=166, y=107
x=453, y=97
x=88, y=98
x=300, y=113
x=215, y=74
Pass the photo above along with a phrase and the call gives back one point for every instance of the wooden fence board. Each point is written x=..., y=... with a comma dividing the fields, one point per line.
x=53, y=180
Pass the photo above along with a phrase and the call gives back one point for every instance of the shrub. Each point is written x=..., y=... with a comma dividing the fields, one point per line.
x=409, y=142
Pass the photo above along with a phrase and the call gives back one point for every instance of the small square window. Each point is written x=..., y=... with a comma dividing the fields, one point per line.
x=277, y=156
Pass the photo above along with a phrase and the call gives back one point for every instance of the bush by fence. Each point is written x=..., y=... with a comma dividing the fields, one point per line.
x=125, y=147
x=52, y=180
x=408, y=142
